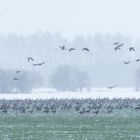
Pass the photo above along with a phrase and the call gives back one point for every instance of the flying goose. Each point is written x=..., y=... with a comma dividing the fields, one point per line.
x=117, y=48
x=30, y=59
x=15, y=79
x=39, y=64
x=137, y=60
x=62, y=48
x=116, y=43
x=119, y=45
x=126, y=62
x=85, y=49
x=18, y=71
x=111, y=87
x=131, y=49
x=72, y=49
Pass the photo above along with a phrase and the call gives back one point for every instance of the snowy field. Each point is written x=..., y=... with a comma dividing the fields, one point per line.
x=95, y=93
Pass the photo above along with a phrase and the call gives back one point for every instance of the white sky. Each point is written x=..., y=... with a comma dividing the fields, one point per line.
x=71, y=17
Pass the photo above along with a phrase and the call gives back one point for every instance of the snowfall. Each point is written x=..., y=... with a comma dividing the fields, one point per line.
x=95, y=93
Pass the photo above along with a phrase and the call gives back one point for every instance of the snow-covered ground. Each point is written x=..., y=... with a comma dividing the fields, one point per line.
x=95, y=93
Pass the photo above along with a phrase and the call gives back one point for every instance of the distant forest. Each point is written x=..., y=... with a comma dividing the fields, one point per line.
x=12, y=81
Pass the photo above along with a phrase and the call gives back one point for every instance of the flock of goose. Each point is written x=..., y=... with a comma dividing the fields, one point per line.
x=29, y=59
x=72, y=49
x=72, y=106
x=118, y=47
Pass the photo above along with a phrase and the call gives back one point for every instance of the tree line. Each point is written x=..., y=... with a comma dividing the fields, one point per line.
x=23, y=82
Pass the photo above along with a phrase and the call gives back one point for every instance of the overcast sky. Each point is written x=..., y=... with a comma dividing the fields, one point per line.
x=71, y=17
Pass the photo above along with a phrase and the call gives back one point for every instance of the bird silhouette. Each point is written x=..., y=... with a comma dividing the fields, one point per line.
x=18, y=71
x=137, y=60
x=131, y=49
x=72, y=49
x=38, y=64
x=116, y=43
x=62, y=47
x=120, y=45
x=15, y=79
x=117, y=48
x=111, y=87
x=30, y=59
x=126, y=62
x=85, y=49
x=41, y=63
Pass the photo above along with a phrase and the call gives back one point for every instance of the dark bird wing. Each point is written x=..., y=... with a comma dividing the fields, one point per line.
x=132, y=49
x=117, y=48
x=110, y=87
x=119, y=45
x=62, y=47
x=18, y=71
x=35, y=65
x=30, y=59
x=85, y=49
x=116, y=43
x=137, y=60
x=15, y=79
x=43, y=63
x=39, y=64
x=72, y=49
x=126, y=62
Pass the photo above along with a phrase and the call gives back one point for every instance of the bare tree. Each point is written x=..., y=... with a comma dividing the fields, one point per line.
x=68, y=78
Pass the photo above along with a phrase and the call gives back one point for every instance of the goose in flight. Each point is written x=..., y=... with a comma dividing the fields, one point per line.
x=116, y=43
x=120, y=45
x=62, y=47
x=126, y=62
x=85, y=49
x=72, y=49
x=30, y=59
x=15, y=79
x=111, y=87
x=39, y=64
x=131, y=49
x=137, y=60
x=117, y=48
x=18, y=71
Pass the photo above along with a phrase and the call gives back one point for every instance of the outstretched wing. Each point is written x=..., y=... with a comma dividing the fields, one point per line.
x=30, y=59
x=85, y=49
